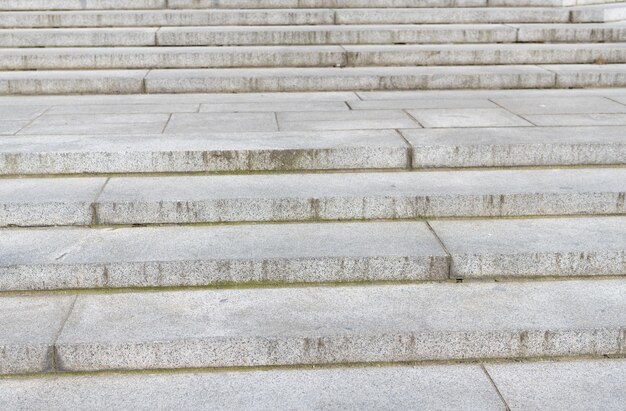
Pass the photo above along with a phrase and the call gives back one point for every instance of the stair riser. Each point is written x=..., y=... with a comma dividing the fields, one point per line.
x=165, y=59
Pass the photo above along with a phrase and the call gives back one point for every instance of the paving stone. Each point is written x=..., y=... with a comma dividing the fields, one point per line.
x=535, y=247
x=570, y=33
x=221, y=122
x=30, y=326
x=355, y=149
x=572, y=385
x=282, y=106
x=401, y=104
x=13, y=113
x=317, y=325
x=97, y=123
x=560, y=105
x=516, y=146
x=193, y=256
x=617, y=119
x=11, y=5
x=362, y=196
x=46, y=201
x=345, y=120
x=467, y=117
x=101, y=109
x=400, y=388
x=12, y=127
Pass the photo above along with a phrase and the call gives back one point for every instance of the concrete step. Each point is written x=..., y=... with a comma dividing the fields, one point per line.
x=391, y=34
x=158, y=18
x=25, y=5
x=516, y=146
x=92, y=154
x=83, y=258
x=310, y=35
x=48, y=154
x=200, y=256
x=311, y=197
x=309, y=56
x=313, y=325
x=309, y=79
x=528, y=385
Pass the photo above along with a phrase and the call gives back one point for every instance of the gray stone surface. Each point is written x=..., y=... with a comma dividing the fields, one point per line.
x=192, y=256
x=48, y=201
x=593, y=119
x=316, y=325
x=354, y=149
x=97, y=123
x=398, y=388
x=467, y=117
x=345, y=120
x=30, y=326
x=408, y=103
x=576, y=385
x=517, y=146
x=75, y=37
x=560, y=105
x=362, y=196
x=535, y=247
x=338, y=34
x=8, y=128
x=346, y=79
x=72, y=82
x=194, y=123
x=597, y=75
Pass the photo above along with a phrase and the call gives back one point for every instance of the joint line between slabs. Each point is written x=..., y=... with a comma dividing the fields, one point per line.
x=56, y=338
x=443, y=246
x=495, y=387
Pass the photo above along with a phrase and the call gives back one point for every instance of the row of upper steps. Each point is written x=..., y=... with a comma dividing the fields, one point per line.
x=272, y=17
x=105, y=51
x=38, y=5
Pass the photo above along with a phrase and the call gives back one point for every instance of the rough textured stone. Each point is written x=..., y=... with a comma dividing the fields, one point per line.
x=535, y=247
x=46, y=201
x=362, y=196
x=515, y=146
x=573, y=385
x=30, y=326
x=71, y=154
x=399, y=388
x=191, y=256
x=343, y=325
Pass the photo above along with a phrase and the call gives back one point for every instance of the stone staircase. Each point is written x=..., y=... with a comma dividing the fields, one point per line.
x=351, y=249
x=183, y=46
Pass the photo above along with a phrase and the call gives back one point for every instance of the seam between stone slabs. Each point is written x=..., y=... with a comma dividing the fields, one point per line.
x=92, y=206
x=167, y=122
x=406, y=111
x=495, y=387
x=613, y=100
x=32, y=121
x=409, y=148
x=443, y=246
x=555, y=85
x=520, y=116
x=56, y=338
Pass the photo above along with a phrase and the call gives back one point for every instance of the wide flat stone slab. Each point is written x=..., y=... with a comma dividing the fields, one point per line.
x=399, y=388
x=30, y=326
x=576, y=385
x=515, y=146
x=535, y=247
x=361, y=196
x=192, y=256
x=319, y=325
x=69, y=154
x=47, y=201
